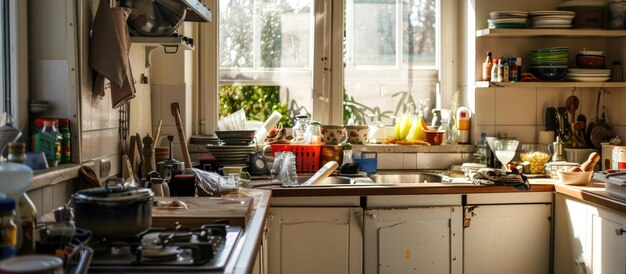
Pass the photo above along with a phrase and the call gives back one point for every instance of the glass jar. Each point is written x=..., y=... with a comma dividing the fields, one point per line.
x=313, y=134
x=8, y=229
x=537, y=155
x=299, y=128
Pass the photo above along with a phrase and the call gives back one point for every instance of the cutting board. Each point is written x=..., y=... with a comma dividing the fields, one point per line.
x=203, y=210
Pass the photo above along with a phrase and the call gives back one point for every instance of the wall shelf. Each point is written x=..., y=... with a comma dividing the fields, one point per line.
x=170, y=45
x=562, y=33
x=485, y=84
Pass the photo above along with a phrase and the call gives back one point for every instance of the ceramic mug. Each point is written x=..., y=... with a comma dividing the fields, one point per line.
x=333, y=135
x=357, y=134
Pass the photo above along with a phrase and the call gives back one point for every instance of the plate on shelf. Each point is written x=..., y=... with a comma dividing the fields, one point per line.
x=544, y=17
x=589, y=71
x=507, y=20
x=588, y=75
x=589, y=79
x=504, y=14
x=552, y=27
x=507, y=26
x=552, y=12
x=551, y=22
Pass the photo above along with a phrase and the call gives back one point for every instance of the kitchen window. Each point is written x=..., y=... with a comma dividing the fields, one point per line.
x=359, y=59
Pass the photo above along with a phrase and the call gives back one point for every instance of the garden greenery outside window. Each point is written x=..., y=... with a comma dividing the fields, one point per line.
x=268, y=53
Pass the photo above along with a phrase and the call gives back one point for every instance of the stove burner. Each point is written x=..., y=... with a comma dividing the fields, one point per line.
x=166, y=250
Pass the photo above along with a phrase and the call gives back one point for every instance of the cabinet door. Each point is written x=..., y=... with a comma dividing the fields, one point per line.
x=413, y=240
x=315, y=240
x=507, y=239
x=608, y=242
x=571, y=243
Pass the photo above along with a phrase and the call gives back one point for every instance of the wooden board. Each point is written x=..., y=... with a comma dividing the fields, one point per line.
x=203, y=210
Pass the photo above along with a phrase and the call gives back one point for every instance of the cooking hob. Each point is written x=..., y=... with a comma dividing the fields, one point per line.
x=202, y=249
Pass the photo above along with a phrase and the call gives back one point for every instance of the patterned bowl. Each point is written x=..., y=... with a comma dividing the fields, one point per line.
x=357, y=134
x=333, y=135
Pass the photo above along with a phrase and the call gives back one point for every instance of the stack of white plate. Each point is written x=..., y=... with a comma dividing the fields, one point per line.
x=551, y=19
x=508, y=19
x=589, y=75
x=231, y=155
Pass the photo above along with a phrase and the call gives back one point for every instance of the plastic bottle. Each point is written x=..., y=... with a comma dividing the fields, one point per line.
x=505, y=70
x=480, y=156
x=463, y=124
x=8, y=229
x=28, y=218
x=48, y=141
x=513, y=69
x=494, y=70
x=518, y=63
x=66, y=148
x=487, y=66
x=500, y=73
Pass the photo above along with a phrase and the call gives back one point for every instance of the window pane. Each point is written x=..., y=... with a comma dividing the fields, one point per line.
x=374, y=32
x=4, y=64
x=286, y=33
x=396, y=79
x=418, y=23
x=236, y=33
x=277, y=73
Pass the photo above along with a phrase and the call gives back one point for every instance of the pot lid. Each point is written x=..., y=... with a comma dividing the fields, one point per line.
x=582, y=3
x=110, y=194
x=31, y=264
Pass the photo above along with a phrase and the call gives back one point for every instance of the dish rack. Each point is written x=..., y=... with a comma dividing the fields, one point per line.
x=307, y=156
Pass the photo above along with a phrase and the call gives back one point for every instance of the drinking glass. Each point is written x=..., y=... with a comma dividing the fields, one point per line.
x=505, y=151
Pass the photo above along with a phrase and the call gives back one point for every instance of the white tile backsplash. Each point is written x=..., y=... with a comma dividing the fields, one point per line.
x=390, y=161
x=516, y=106
x=485, y=113
x=525, y=134
x=553, y=97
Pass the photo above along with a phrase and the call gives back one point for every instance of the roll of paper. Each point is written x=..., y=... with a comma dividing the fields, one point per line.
x=261, y=133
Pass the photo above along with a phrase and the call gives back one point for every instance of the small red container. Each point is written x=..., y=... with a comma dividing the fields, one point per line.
x=307, y=156
x=435, y=138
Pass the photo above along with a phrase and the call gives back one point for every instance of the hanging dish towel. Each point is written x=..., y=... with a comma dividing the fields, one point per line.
x=492, y=176
x=108, y=55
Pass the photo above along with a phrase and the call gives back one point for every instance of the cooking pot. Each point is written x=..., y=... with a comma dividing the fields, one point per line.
x=113, y=212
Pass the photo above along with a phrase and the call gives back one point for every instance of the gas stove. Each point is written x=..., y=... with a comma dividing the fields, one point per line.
x=202, y=249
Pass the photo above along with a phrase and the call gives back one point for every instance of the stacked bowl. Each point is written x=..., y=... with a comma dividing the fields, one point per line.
x=591, y=67
x=549, y=64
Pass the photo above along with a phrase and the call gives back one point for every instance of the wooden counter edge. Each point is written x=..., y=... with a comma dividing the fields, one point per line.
x=243, y=262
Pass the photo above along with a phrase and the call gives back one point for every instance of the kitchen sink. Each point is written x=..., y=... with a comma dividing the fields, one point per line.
x=411, y=178
x=338, y=181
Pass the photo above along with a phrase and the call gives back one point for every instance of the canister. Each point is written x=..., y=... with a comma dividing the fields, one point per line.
x=618, y=154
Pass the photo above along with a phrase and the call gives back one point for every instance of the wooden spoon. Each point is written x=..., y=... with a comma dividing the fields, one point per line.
x=572, y=103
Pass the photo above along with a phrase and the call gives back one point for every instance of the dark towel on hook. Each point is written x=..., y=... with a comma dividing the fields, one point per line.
x=108, y=55
x=492, y=176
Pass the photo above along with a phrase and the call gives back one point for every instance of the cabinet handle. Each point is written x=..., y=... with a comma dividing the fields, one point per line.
x=619, y=231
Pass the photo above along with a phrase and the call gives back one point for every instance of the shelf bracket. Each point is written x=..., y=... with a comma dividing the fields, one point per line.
x=168, y=49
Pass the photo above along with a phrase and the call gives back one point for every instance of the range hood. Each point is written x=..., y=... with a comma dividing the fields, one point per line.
x=196, y=11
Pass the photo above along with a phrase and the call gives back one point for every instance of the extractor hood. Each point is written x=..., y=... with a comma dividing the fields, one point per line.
x=196, y=11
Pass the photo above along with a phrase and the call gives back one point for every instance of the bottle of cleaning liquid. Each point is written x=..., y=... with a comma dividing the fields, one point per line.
x=487, y=66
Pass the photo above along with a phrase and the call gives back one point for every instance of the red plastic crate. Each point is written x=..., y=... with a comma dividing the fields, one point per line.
x=307, y=156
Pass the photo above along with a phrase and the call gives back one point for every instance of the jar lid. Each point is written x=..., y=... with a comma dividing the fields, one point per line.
x=39, y=122
x=7, y=204
x=302, y=116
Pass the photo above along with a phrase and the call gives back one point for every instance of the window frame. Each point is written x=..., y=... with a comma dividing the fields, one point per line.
x=328, y=82
x=15, y=63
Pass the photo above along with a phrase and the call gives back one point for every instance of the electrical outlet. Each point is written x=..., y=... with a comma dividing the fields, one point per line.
x=105, y=168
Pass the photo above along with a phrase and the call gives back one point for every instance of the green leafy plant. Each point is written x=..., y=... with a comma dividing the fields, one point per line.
x=257, y=101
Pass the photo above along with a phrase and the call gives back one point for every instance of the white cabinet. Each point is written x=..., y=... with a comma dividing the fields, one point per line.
x=589, y=239
x=507, y=238
x=413, y=240
x=315, y=240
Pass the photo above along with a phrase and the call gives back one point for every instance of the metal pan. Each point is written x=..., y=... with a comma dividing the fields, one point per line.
x=598, y=128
